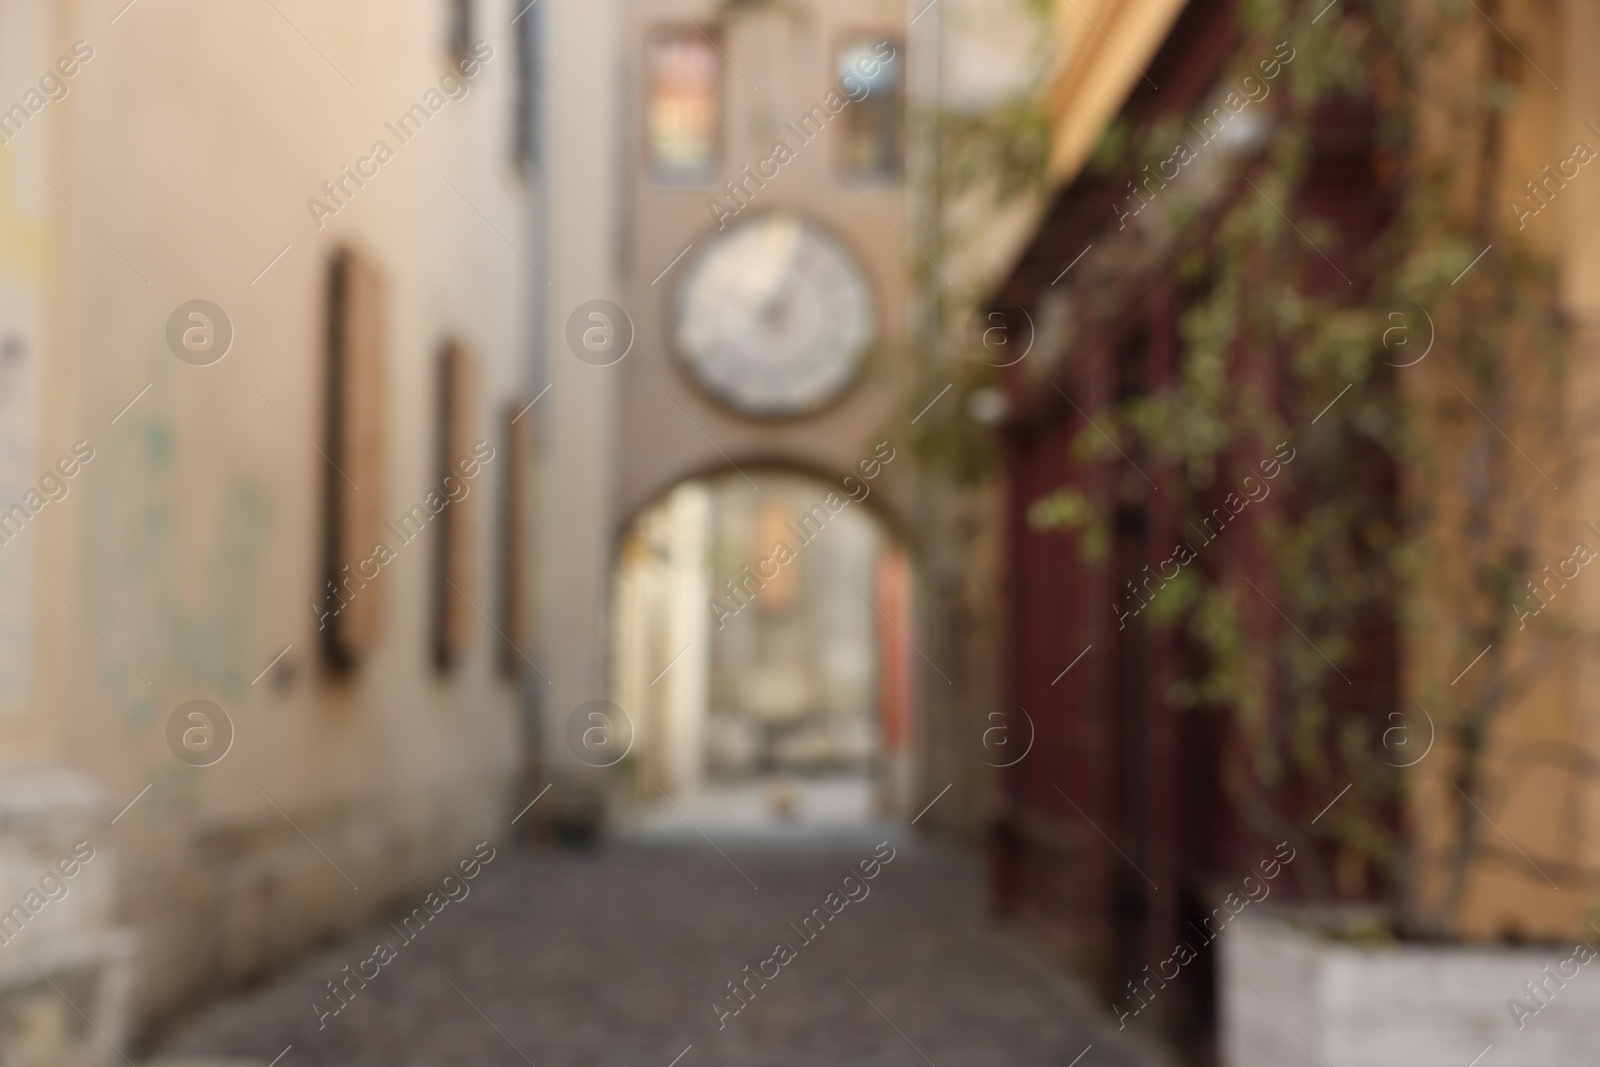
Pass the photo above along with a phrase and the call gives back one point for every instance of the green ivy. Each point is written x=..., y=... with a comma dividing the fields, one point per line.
x=1266, y=350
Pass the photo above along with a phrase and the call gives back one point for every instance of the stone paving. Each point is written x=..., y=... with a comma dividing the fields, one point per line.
x=615, y=957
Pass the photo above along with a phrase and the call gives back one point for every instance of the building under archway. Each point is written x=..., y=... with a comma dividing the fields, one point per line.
x=761, y=649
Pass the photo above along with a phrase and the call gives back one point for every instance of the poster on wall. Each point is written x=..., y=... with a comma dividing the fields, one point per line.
x=19, y=368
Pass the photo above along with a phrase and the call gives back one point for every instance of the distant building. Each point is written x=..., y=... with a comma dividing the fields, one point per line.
x=764, y=275
x=777, y=203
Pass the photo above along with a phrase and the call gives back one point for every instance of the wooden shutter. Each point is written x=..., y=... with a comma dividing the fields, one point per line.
x=456, y=434
x=515, y=526
x=354, y=480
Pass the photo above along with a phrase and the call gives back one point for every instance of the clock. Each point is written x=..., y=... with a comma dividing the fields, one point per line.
x=775, y=318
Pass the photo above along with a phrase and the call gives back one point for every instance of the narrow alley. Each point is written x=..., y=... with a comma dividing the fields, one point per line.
x=782, y=533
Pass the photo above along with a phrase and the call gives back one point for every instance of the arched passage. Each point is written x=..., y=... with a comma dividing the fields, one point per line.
x=761, y=646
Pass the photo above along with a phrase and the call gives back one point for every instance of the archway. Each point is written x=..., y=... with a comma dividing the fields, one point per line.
x=761, y=648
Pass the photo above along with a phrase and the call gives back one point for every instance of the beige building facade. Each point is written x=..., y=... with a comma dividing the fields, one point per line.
x=764, y=284
x=264, y=272
x=779, y=204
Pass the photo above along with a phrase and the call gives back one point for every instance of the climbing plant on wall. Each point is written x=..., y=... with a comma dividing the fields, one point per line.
x=1413, y=362
x=1394, y=378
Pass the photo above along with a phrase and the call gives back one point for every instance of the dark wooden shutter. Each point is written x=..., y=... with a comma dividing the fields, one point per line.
x=455, y=437
x=353, y=493
x=515, y=524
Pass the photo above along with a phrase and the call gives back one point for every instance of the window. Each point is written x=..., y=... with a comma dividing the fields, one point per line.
x=457, y=467
x=682, y=111
x=461, y=28
x=871, y=71
x=353, y=489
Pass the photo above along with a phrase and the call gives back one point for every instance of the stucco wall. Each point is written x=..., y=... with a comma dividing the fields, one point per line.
x=186, y=555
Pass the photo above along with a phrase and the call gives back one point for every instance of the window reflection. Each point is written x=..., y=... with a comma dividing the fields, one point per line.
x=682, y=111
x=872, y=138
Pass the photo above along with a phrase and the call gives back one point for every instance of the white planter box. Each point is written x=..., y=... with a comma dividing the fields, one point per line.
x=1291, y=999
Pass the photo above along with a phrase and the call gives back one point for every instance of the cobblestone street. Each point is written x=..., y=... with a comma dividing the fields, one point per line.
x=615, y=957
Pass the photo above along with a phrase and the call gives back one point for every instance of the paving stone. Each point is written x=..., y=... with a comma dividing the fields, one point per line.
x=614, y=958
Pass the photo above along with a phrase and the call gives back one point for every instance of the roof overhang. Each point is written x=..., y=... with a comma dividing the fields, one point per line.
x=1103, y=48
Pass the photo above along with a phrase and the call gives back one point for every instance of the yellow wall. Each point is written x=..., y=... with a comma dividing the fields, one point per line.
x=1541, y=806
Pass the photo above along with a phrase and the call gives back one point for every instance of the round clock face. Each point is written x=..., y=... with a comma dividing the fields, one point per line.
x=775, y=318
